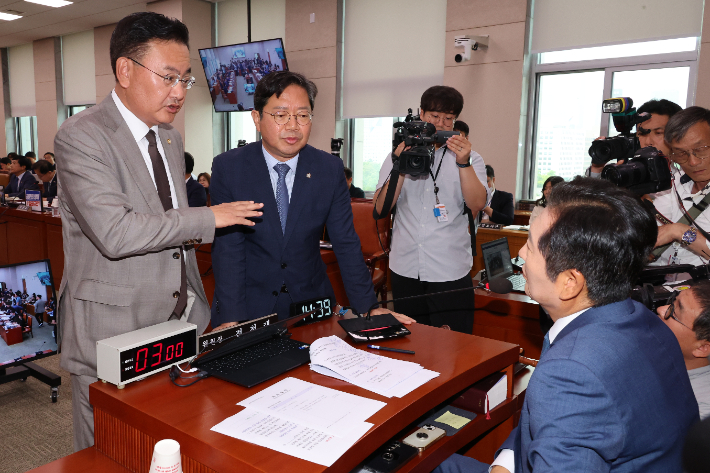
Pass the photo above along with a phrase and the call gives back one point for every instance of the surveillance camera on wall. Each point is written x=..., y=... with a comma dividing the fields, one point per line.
x=468, y=43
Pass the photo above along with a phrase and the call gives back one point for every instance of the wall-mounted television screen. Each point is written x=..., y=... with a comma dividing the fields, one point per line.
x=233, y=71
x=27, y=333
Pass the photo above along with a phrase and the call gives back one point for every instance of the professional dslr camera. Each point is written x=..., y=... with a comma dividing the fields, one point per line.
x=624, y=145
x=646, y=173
x=421, y=138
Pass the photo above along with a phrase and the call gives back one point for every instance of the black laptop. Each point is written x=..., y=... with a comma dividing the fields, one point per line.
x=256, y=356
x=496, y=257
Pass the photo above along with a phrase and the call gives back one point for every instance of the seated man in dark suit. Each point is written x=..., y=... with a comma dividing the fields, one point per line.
x=47, y=174
x=355, y=192
x=265, y=268
x=5, y=165
x=21, y=180
x=196, y=194
x=611, y=392
x=500, y=209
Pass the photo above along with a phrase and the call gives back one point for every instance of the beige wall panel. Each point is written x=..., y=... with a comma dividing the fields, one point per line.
x=104, y=86
x=323, y=114
x=232, y=22
x=169, y=8
x=505, y=44
x=43, y=51
x=46, y=125
x=3, y=139
x=102, y=58
x=702, y=91
x=198, y=129
x=46, y=91
x=197, y=16
x=492, y=95
x=464, y=14
x=301, y=33
x=268, y=20
x=313, y=63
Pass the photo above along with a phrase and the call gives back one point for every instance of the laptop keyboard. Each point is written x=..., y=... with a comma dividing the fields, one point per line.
x=518, y=281
x=254, y=354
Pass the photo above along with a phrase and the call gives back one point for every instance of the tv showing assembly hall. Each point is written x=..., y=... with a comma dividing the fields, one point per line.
x=233, y=71
x=27, y=313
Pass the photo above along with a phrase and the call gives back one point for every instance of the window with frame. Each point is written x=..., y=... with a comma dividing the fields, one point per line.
x=240, y=126
x=26, y=134
x=370, y=143
x=569, y=87
x=74, y=109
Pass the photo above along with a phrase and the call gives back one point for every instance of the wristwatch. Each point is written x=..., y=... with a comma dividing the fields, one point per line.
x=467, y=164
x=689, y=236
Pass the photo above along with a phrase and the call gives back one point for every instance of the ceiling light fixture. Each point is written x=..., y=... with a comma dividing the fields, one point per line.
x=8, y=16
x=50, y=3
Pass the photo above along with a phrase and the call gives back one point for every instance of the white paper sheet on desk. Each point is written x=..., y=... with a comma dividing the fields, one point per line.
x=318, y=407
x=399, y=390
x=289, y=437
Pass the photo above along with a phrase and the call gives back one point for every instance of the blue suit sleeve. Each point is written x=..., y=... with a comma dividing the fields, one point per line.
x=228, y=255
x=574, y=425
x=346, y=245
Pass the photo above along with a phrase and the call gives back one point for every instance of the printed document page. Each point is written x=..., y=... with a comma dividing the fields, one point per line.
x=314, y=406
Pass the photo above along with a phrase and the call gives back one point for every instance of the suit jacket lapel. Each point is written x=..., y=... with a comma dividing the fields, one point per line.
x=262, y=190
x=300, y=194
x=131, y=154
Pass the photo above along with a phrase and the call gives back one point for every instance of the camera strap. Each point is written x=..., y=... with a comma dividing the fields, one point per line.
x=688, y=218
x=434, y=176
x=389, y=196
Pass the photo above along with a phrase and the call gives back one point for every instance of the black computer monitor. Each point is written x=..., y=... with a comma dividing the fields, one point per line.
x=18, y=346
x=233, y=71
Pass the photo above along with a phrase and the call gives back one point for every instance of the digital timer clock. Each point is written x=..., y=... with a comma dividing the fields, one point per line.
x=135, y=355
x=321, y=308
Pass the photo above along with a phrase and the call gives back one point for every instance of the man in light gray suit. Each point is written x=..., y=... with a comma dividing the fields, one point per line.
x=128, y=231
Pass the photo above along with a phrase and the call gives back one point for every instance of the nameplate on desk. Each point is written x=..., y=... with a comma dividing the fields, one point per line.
x=24, y=207
x=216, y=339
x=493, y=226
x=33, y=199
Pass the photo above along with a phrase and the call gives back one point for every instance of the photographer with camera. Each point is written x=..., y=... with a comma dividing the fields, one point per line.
x=431, y=245
x=649, y=132
x=680, y=211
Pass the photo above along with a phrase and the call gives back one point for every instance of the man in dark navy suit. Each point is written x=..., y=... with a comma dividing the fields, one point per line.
x=196, y=194
x=21, y=179
x=48, y=175
x=500, y=209
x=265, y=268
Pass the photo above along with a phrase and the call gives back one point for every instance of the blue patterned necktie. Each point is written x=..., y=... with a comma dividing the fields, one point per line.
x=282, y=193
x=545, y=344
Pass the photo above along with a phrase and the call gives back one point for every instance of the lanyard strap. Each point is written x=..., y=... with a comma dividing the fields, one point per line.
x=434, y=176
x=687, y=218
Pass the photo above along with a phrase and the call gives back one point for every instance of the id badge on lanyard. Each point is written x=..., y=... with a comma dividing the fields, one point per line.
x=440, y=211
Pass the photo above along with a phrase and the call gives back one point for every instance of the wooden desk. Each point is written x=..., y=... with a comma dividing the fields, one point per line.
x=129, y=422
x=516, y=240
x=11, y=336
x=522, y=217
x=89, y=460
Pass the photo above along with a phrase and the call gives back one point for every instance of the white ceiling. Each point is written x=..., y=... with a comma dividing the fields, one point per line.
x=39, y=22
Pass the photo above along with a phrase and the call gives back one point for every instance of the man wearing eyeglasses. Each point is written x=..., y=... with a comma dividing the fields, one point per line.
x=265, y=268
x=127, y=228
x=687, y=314
x=682, y=240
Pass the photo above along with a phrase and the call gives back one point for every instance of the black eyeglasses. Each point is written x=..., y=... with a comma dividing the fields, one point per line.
x=171, y=79
x=670, y=312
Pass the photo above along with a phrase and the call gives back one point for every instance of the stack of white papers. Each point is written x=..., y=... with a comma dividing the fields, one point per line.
x=302, y=419
x=389, y=377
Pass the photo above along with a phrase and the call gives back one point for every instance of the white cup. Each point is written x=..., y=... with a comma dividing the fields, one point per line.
x=166, y=457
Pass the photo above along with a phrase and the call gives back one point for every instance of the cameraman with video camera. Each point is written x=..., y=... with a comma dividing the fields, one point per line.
x=683, y=220
x=431, y=244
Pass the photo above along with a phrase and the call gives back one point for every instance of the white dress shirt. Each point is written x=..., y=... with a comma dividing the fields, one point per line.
x=667, y=204
x=139, y=130
x=506, y=457
x=290, y=176
x=423, y=247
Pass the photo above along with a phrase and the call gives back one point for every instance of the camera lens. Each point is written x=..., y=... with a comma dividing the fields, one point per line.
x=458, y=58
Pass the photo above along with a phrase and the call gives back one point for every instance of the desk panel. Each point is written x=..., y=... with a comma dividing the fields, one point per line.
x=129, y=421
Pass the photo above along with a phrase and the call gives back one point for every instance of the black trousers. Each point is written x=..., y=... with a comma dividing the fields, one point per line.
x=39, y=316
x=455, y=309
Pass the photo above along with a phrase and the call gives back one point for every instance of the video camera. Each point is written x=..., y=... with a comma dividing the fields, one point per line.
x=646, y=173
x=421, y=138
x=650, y=291
x=624, y=145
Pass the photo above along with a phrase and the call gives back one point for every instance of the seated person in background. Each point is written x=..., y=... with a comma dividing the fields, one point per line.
x=32, y=157
x=203, y=179
x=49, y=157
x=5, y=165
x=500, y=208
x=20, y=180
x=541, y=203
x=461, y=127
x=355, y=192
x=47, y=174
x=688, y=317
x=610, y=392
x=196, y=195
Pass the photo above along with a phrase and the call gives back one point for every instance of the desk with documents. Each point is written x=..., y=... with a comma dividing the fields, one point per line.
x=128, y=422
